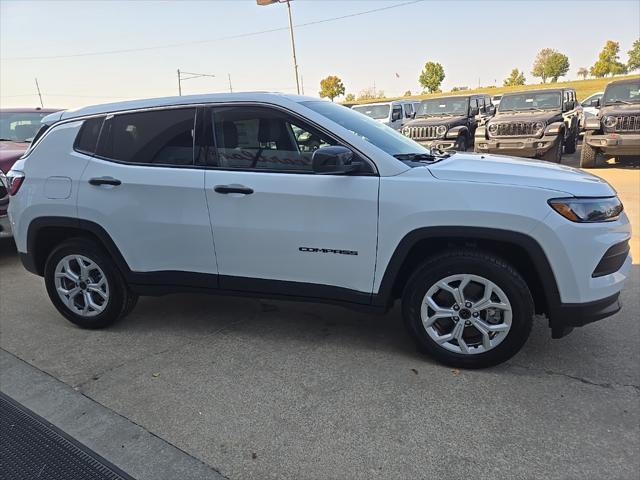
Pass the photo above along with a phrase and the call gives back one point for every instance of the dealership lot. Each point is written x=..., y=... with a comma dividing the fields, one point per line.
x=255, y=387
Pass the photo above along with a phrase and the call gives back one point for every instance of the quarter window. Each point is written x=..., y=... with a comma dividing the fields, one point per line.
x=258, y=138
x=87, y=138
x=162, y=137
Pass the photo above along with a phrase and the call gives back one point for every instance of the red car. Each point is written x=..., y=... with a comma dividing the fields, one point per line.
x=18, y=126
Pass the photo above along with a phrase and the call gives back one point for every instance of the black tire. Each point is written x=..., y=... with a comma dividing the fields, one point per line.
x=488, y=266
x=119, y=301
x=461, y=143
x=588, y=155
x=571, y=144
x=554, y=154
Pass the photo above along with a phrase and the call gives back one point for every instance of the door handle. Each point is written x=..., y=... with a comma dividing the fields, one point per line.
x=233, y=189
x=105, y=181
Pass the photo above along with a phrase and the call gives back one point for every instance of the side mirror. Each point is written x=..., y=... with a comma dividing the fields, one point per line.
x=333, y=160
x=595, y=102
x=492, y=110
x=474, y=111
x=570, y=105
x=396, y=115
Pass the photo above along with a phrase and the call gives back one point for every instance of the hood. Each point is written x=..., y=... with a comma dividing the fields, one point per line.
x=533, y=116
x=437, y=120
x=619, y=110
x=499, y=169
x=10, y=152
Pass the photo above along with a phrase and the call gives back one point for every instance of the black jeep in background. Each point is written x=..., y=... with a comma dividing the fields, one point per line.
x=449, y=123
x=615, y=131
x=533, y=123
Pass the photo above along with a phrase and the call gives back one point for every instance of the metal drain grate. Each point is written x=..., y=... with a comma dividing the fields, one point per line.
x=32, y=448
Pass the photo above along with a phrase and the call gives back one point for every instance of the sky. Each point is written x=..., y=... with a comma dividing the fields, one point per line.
x=477, y=42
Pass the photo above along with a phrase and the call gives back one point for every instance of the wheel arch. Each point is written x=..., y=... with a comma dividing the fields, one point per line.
x=45, y=233
x=519, y=249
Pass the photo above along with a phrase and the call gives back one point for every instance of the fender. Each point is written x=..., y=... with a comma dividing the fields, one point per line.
x=554, y=129
x=481, y=132
x=530, y=245
x=456, y=131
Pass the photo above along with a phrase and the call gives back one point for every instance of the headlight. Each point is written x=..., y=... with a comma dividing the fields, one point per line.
x=609, y=122
x=441, y=130
x=493, y=128
x=406, y=131
x=538, y=127
x=588, y=210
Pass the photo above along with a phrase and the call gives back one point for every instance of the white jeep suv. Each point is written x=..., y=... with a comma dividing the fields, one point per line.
x=291, y=197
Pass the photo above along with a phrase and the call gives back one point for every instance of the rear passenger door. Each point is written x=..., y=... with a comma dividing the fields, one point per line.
x=142, y=187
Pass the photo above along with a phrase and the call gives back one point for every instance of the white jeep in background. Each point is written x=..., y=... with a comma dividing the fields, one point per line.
x=290, y=197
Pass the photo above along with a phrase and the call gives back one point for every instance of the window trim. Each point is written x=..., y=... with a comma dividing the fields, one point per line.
x=205, y=105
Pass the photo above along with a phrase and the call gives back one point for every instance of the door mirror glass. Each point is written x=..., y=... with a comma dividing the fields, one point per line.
x=492, y=110
x=334, y=160
x=396, y=114
x=595, y=102
x=570, y=105
x=474, y=111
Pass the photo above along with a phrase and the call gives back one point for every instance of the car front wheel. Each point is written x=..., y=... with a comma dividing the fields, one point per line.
x=85, y=286
x=468, y=309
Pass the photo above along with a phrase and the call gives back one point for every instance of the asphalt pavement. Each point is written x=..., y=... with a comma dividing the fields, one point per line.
x=260, y=389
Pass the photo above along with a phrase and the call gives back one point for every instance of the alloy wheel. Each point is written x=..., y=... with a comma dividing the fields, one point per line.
x=81, y=285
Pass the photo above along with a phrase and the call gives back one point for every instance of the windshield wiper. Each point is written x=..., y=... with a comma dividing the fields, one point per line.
x=6, y=140
x=433, y=155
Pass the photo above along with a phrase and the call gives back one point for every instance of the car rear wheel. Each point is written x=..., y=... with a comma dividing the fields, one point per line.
x=588, y=155
x=468, y=309
x=571, y=144
x=85, y=286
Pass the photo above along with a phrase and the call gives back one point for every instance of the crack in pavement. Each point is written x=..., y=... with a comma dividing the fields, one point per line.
x=586, y=381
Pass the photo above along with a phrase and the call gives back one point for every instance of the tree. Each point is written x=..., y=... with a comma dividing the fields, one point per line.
x=516, y=78
x=407, y=93
x=350, y=97
x=634, y=56
x=331, y=87
x=370, y=93
x=583, y=72
x=608, y=62
x=431, y=77
x=550, y=64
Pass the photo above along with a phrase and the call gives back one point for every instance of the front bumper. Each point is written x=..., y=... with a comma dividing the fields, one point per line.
x=520, y=147
x=443, y=144
x=615, y=143
x=567, y=316
x=5, y=227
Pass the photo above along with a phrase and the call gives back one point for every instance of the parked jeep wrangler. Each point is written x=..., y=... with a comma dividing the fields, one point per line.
x=615, y=131
x=449, y=123
x=535, y=123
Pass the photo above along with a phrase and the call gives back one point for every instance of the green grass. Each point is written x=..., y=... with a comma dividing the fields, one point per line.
x=584, y=88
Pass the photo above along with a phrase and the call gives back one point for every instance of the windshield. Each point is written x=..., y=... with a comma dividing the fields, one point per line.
x=383, y=137
x=530, y=101
x=378, y=112
x=444, y=106
x=622, y=93
x=20, y=127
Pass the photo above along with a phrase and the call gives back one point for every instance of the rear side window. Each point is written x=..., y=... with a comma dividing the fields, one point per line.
x=87, y=138
x=162, y=137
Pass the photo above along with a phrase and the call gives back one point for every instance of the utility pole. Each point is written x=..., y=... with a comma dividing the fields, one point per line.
x=230, y=87
x=39, y=94
x=182, y=77
x=293, y=42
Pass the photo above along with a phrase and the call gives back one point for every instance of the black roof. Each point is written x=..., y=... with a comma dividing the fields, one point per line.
x=625, y=80
x=539, y=90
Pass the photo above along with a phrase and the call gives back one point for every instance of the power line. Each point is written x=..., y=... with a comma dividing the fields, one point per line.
x=219, y=39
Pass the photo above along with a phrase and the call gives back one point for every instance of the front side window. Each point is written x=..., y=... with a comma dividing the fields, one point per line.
x=162, y=137
x=259, y=138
